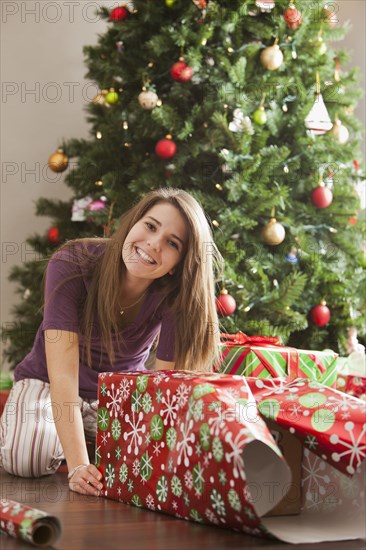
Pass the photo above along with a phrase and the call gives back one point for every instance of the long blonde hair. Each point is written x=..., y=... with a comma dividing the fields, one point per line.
x=189, y=292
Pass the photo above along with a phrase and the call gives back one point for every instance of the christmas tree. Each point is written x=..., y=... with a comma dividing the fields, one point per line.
x=246, y=105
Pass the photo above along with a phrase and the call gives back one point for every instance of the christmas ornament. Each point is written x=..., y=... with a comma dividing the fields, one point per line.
x=265, y=5
x=201, y=4
x=320, y=46
x=180, y=71
x=320, y=314
x=169, y=3
x=292, y=257
x=53, y=235
x=118, y=14
x=328, y=180
x=112, y=97
x=166, y=148
x=292, y=16
x=225, y=304
x=58, y=161
x=78, y=209
x=259, y=116
x=330, y=15
x=273, y=233
x=271, y=57
x=240, y=122
x=120, y=46
x=318, y=120
x=340, y=132
x=353, y=344
x=99, y=99
x=148, y=99
x=321, y=196
x=97, y=205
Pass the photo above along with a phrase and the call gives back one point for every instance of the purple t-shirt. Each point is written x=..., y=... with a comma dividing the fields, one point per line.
x=63, y=309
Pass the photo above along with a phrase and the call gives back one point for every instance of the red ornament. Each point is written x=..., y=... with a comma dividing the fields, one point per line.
x=292, y=16
x=352, y=220
x=321, y=196
x=356, y=164
x=166, y=148
x=118, y=14
x=225, y=304
x=53, y=235
x=320, y=314
x=181, y=72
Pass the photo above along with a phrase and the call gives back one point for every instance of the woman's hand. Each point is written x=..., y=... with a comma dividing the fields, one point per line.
x=86, y=480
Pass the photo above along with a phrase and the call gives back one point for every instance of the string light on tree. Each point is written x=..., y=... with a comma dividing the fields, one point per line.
x=58, y=161
x=166, y=148
x=225, y=304
x=272, y=57
x=273, y=233
x=318, y=120
x=320, y=314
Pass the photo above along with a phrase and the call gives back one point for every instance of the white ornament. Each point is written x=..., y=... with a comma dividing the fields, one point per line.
x=340, y=132
x=265, y=5
x=148, y=100
x=78, y=209
x=241, y=122
x=318, y=120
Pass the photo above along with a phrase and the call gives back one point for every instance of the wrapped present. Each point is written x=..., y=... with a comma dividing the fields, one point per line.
x=265, y=357
x=197, y=446
x=30, y=524
x=351, y=374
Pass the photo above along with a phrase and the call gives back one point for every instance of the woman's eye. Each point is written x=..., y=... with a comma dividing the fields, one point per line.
x=149, y=225
x=173, y=244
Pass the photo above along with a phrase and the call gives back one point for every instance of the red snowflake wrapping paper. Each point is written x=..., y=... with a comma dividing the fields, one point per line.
x=32, y=525
x=196, y=446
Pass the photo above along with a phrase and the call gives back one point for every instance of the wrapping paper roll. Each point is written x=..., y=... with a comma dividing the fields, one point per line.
x=32, y=525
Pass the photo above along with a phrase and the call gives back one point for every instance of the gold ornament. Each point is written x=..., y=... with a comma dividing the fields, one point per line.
x=148, y=99
x=58, y=161
x=271, y=57
x=99, y=99
x=273, y=233
x=340, y=132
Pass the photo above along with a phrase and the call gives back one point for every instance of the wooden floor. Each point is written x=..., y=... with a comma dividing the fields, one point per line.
x=99, y=524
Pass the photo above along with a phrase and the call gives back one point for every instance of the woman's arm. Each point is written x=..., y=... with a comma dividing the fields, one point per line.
x=62, y=355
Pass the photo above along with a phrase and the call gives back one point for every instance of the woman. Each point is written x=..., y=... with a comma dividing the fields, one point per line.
x=106, y=302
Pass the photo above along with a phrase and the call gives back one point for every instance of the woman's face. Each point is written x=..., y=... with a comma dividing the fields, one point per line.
x=156, y=243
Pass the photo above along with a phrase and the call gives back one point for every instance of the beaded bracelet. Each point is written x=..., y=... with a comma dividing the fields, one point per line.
x=71, y=473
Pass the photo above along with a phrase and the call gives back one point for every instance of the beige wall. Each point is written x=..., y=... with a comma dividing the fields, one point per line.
x=43, y=95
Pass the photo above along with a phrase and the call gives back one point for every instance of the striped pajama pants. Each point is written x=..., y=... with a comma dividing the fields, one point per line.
x=29, y=444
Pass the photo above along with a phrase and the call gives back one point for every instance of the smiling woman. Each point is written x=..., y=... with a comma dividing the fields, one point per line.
x=106, y=302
